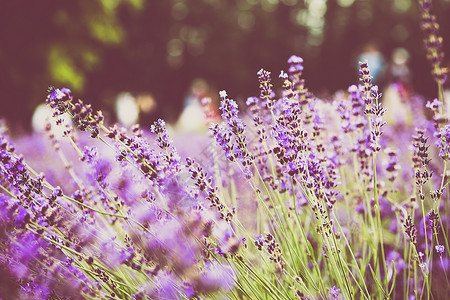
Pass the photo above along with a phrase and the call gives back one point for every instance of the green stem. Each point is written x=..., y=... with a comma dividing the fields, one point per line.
x=441, y=98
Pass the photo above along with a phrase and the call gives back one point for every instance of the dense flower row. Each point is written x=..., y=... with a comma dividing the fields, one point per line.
x=129, y=220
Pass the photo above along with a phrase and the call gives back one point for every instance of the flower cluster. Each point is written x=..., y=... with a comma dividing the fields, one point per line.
x=233, y=127
x=205, y=185
x=444, y=142
x=410, y=230
x=58, y=99
x=421, y=161
x=272, y=248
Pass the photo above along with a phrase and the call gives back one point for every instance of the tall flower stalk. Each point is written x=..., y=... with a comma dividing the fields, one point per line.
x=433, y=45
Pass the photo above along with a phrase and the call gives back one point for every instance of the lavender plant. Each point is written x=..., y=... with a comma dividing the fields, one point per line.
x=300, y=198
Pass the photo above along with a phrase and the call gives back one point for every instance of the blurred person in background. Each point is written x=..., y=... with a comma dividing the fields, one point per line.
x=375, y=59
x=396, y=97
x=193, y=118
x=127, y=109
x=447, y=93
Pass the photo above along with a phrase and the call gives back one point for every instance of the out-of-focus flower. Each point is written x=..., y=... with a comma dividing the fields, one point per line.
x=444, y=142
x=334, y=292
x=397, y=259
x=216, y=276
x=433, y=42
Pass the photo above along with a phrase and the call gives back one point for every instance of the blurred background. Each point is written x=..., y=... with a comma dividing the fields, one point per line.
x=159, y=55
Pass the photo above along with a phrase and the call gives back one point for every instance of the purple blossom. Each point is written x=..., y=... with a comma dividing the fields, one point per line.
x=266, y=93
x=434, y=105
x=440, y=249
x=58, y=95
x=230, y=115
x=296, y=64
x=188, y=290
x=170, y=155
x=166, y=287
x=444, y=142
x=223, y=139
x=233, y=130
x=421, y=255
x=334, y=292
x=215, y=277
x=22, y=218
x=159, y=128
x=59, y=100
x=397, y=259
x=90, y=155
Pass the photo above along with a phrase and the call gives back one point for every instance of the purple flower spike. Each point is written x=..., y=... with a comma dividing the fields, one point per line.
x=90, y=155
x=22, y=218
x=433, y=42
x=233, y=129
x=444, y=144
x=159, y=128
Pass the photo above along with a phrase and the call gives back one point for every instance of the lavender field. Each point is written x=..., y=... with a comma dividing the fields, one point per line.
x=289, y=196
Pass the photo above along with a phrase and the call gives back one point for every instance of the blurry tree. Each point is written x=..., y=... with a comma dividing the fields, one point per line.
x=389, y=24
x=52, y=42
x=100, y=48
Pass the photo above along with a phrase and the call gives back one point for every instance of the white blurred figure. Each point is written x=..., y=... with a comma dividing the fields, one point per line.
x=193, y=118
x=43, y=115
x=127, y=109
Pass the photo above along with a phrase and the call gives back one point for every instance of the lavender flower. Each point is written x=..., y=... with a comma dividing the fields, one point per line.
x=265, y=86
x=444, y=142
x=205, y=186
x=410, y=230
x=296, y=66
x=334, y=292
x=295, y=72
x=440, y=249
x=433, y=42
x=159, y=128
x=394, y=256
x=234, y=128
x=58, y=99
